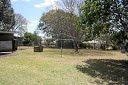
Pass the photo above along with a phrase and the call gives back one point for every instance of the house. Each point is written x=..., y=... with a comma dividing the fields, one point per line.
x=8, y=42
x=95, y=44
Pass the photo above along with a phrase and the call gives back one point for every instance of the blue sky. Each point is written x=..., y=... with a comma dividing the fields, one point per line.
x=32, y=10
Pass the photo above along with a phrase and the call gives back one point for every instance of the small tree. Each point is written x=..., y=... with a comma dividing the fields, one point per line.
x=30, y=38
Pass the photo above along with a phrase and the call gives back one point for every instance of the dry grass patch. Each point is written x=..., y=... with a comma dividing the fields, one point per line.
x=89, y=67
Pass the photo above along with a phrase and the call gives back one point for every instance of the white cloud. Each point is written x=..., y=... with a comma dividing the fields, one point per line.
x=32, y=26
x=47, y=3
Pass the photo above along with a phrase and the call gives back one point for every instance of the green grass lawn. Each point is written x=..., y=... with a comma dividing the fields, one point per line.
x=25, y=67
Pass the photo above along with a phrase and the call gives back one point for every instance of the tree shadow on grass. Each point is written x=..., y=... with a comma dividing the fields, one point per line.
x=115, y=72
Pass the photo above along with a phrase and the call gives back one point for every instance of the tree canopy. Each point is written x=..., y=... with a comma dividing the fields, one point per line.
x=61, y=24
x=31, y=39
x=106, y=17
x=93, y=19
x=10, y=21
x=7, y=19
x=20, y=26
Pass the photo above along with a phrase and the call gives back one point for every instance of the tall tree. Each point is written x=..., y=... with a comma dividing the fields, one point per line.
x=119, y=19
x=104, y=16
x=61, y=24
x=95, y=16
x=71, y=6
x=7, y=15
x=20, y=26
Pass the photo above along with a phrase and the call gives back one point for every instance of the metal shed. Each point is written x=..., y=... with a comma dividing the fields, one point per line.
x=8, y=42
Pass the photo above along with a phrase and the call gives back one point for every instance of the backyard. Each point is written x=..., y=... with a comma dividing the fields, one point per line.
x=89, y=67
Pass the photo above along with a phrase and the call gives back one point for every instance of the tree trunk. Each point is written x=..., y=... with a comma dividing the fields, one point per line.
x=76, y=46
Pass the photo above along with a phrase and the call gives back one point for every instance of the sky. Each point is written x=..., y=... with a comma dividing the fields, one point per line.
x=32, y=10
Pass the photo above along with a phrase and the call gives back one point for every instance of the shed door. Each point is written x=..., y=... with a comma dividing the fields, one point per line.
x=5, y=46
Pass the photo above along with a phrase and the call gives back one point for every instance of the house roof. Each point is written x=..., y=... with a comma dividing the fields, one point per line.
x=95, y=41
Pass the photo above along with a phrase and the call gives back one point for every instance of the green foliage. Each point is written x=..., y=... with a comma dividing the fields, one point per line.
x=60, y=24
x=56, y=22
x=95, y=16
x=106, y=18
x=7, y=20
x=30, y=38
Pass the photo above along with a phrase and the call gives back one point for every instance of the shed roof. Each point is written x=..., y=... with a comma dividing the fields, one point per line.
x=6, y=36
x=3, y=32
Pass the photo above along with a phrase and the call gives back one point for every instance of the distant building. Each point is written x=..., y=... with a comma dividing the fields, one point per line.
x=8, y=42
x=95, y=44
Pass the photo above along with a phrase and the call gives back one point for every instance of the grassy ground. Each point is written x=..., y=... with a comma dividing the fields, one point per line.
x=89, y=67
